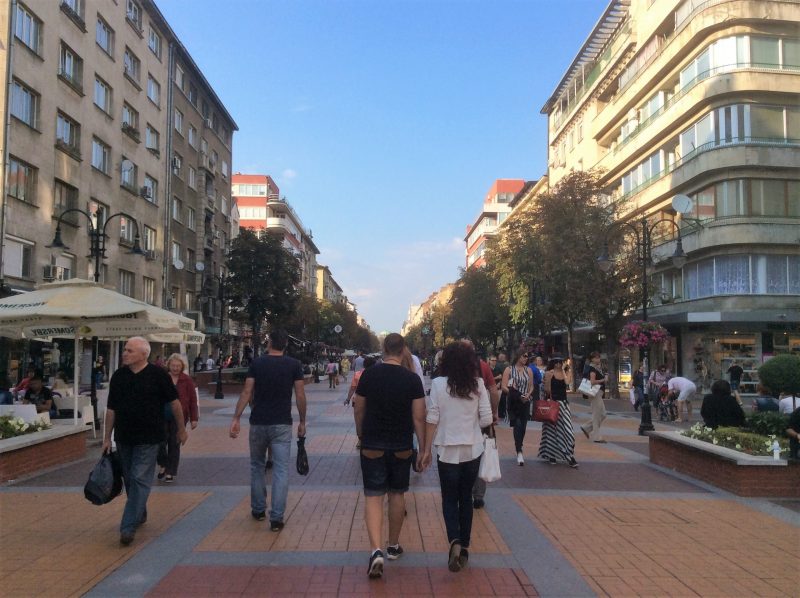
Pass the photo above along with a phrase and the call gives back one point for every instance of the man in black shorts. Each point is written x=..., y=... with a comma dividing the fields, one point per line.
x=389, y=407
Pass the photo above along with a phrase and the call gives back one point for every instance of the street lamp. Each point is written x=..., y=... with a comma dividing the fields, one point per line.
x=97, y=251
x=644, y=256
x=218, y=394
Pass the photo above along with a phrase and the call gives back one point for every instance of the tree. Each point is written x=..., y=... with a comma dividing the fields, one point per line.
x=477, y=308
x=261, y=283
x=781, y=374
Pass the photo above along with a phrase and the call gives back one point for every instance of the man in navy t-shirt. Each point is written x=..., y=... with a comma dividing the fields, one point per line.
x=268, y=389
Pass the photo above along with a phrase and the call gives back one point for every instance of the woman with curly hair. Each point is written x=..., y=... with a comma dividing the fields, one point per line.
x=458, y=407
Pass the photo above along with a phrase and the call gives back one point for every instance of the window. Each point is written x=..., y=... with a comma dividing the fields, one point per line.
x=154, y=42
x=148, y=290
x=793, y=198
x=132, y=66
x=101, y=156
x=190, y=219
x=192, y=136
x=193, y=94
x=65, y=197
x=177, y=164
x=180, y=76
x=149, y=239
x=99, y=213
x=17, y=258
x=130, y=117
x=176, y=252
x=177, y=209
x=767, y=198
x=151, y=186
x=188, y=298
x=179, y=121
x=153, y=90
x=192, y=179
x=70, y=66
x=74, y=10
x=126, y=282
x=766, y=122
x=190, y=258
x=104, y=36
x=68, y=133
x=28, y=28
x=129, y=174
x=127, y=231
x=25, y=104
x=21, y=180
x=223, y=206
x=764, y=51
x=224, y=169
x=133, y=12
x=730, y=199
x=102, y=95
x=732, y=275
x=151, y=138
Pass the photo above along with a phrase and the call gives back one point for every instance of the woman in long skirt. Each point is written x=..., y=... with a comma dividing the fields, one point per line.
x=558, y=439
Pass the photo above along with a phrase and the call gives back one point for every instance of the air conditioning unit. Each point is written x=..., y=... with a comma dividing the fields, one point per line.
x=145, y=192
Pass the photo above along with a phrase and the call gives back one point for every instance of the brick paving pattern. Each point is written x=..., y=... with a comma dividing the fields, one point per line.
x=617, y=526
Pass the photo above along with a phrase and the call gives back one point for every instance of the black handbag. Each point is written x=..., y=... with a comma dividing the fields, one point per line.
x=105, y=480
x=302, y=456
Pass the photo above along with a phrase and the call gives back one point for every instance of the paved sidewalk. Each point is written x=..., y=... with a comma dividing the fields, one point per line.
x=617, y=526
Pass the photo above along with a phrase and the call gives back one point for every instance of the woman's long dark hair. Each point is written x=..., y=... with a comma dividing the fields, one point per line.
x=460, y=364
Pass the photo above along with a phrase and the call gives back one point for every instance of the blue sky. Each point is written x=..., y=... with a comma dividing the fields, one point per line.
x=386, y=122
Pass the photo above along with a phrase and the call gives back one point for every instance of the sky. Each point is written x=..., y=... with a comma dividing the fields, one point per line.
x=385, y=122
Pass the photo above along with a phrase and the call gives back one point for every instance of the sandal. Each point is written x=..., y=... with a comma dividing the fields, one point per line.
x=161, y=474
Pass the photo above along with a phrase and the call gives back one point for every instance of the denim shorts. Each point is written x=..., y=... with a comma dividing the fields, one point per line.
x=385, y=471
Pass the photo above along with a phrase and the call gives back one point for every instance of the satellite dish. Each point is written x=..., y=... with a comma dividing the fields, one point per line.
x=199, y=266
x=178, y=264
x=126, y=166
x=682, y=204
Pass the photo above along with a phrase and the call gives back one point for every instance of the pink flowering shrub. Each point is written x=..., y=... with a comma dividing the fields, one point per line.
x=639, y=334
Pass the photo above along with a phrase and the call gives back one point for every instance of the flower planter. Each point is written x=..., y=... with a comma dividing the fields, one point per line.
x=27, y=454
x=736, y=472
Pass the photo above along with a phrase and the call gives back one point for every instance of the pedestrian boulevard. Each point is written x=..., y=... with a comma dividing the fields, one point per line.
x=617, y=526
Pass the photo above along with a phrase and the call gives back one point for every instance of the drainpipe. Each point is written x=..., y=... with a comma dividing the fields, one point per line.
x=165, y=273
x=6, y=137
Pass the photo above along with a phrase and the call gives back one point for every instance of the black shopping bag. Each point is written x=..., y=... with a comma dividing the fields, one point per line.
x=105, y=480
x=302, y=456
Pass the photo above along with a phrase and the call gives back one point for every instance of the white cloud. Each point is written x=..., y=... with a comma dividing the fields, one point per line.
x=288, y=174
x=302, y=107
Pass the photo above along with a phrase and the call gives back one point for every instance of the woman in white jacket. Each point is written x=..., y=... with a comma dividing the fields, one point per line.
x=458, y=407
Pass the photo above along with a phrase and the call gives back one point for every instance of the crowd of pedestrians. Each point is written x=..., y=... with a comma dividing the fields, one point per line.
x=399, y=427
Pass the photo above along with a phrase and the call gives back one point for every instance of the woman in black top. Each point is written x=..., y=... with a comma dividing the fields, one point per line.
x=594, y=373
x=721, y=408
x=558, y=439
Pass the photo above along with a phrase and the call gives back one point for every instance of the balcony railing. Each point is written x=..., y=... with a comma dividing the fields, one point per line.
x=711, y=145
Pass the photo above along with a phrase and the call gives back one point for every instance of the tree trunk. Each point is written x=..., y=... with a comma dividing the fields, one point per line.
x=571, y=381
x=255, y=325
x=612, y=352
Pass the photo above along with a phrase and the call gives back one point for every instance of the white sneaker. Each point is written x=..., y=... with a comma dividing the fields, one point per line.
x=520, y=460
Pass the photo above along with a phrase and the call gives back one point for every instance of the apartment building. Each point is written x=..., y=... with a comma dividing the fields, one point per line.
x=327, y=287
x=698, y=98
x=494, y=211
x=111, y=117
x=261, y=207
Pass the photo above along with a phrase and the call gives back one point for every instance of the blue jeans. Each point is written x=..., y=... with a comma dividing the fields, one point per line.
x=279, y=438
x=456, y=481
x=138, y=466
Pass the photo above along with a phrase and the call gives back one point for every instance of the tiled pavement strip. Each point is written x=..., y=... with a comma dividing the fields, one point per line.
x=617, y=526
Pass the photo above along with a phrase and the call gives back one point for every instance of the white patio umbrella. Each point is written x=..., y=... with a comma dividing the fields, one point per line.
x=82, y=309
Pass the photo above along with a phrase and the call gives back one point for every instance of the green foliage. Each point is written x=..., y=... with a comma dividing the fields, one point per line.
x=768, y=423
x=16, y=426
x=476, y=308
x=737, y=439
x=781, y=374
x=262, y=279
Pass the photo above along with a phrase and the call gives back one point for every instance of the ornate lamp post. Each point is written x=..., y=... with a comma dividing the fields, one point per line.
x=97, y=251
x=644, y=256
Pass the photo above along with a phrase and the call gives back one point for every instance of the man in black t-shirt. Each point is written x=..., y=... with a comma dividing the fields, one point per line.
x=268, y=390
x=735, y=372
x=389, y=407
x=137, y=396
